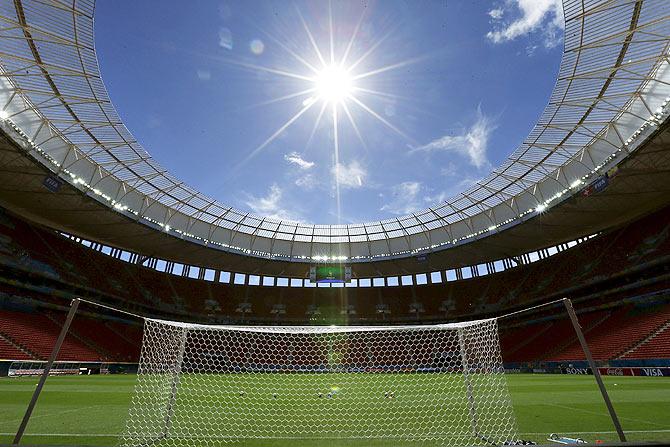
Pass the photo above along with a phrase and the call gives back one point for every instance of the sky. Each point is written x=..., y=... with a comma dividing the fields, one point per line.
x=330, y=112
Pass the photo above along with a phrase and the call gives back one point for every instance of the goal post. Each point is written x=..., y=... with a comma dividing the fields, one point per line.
x=208, y=384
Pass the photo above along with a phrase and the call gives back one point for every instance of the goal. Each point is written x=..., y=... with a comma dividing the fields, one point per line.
x=207, y=384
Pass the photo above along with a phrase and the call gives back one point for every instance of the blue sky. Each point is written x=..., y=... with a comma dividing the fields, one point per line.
x=440, y=92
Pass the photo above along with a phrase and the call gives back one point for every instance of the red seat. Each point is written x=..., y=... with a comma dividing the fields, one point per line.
x=38, y=334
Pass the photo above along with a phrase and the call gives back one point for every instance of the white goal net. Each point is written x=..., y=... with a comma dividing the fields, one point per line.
x=204, y=385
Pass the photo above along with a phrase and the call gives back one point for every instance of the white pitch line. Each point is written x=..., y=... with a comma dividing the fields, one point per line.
x=110, y=435
x=567, y=407
x=58, y=413
x=598, y=432
x=61, y=435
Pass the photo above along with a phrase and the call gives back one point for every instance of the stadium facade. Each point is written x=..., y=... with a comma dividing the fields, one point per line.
x=581, y=209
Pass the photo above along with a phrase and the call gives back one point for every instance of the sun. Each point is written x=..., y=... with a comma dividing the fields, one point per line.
x=333, y=84
x=334, y=81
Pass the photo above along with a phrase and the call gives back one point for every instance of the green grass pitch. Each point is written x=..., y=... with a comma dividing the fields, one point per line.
x=91, y=410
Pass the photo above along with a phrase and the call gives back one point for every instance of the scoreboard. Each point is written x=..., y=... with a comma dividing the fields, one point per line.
x=330, y=273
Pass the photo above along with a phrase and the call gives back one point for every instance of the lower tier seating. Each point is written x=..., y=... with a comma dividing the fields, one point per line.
x=626, y=332
x=9, y=352
x=37, y=334
x=655, y=347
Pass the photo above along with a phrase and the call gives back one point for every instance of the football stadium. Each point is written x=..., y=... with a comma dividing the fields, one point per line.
x=334, y=223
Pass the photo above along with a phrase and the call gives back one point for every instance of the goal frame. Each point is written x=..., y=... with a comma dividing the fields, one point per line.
x=472, y=406
x=466, y=367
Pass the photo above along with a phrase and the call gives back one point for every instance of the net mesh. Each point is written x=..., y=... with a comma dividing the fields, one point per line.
x=203, y=385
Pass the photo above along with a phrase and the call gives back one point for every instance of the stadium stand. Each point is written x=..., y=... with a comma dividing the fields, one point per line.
x=101, y=338
x=654, y=346
x=37, y=334
x=41, y=268
x=619, y=331
x=547, y=339
x=10, y=351
x=624, y=331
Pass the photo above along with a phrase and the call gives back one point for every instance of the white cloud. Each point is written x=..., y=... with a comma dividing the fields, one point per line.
x=270, y=205
x=496, y=13
x=436, y=199
x=296, y=159
x=405, y=198
x=304, y=178
x=545, y=16
x=472, y=142
x=530, y=50
x=204, y=75
x=411, y=197
x=308, y=181
x=466, y=182
x=450, y=170
x=349, y=176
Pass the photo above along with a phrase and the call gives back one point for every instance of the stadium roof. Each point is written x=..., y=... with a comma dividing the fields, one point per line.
x=611, y=94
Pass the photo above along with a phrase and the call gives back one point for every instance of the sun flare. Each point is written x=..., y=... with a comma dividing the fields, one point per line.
x=333, y=84
x=336, y=82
